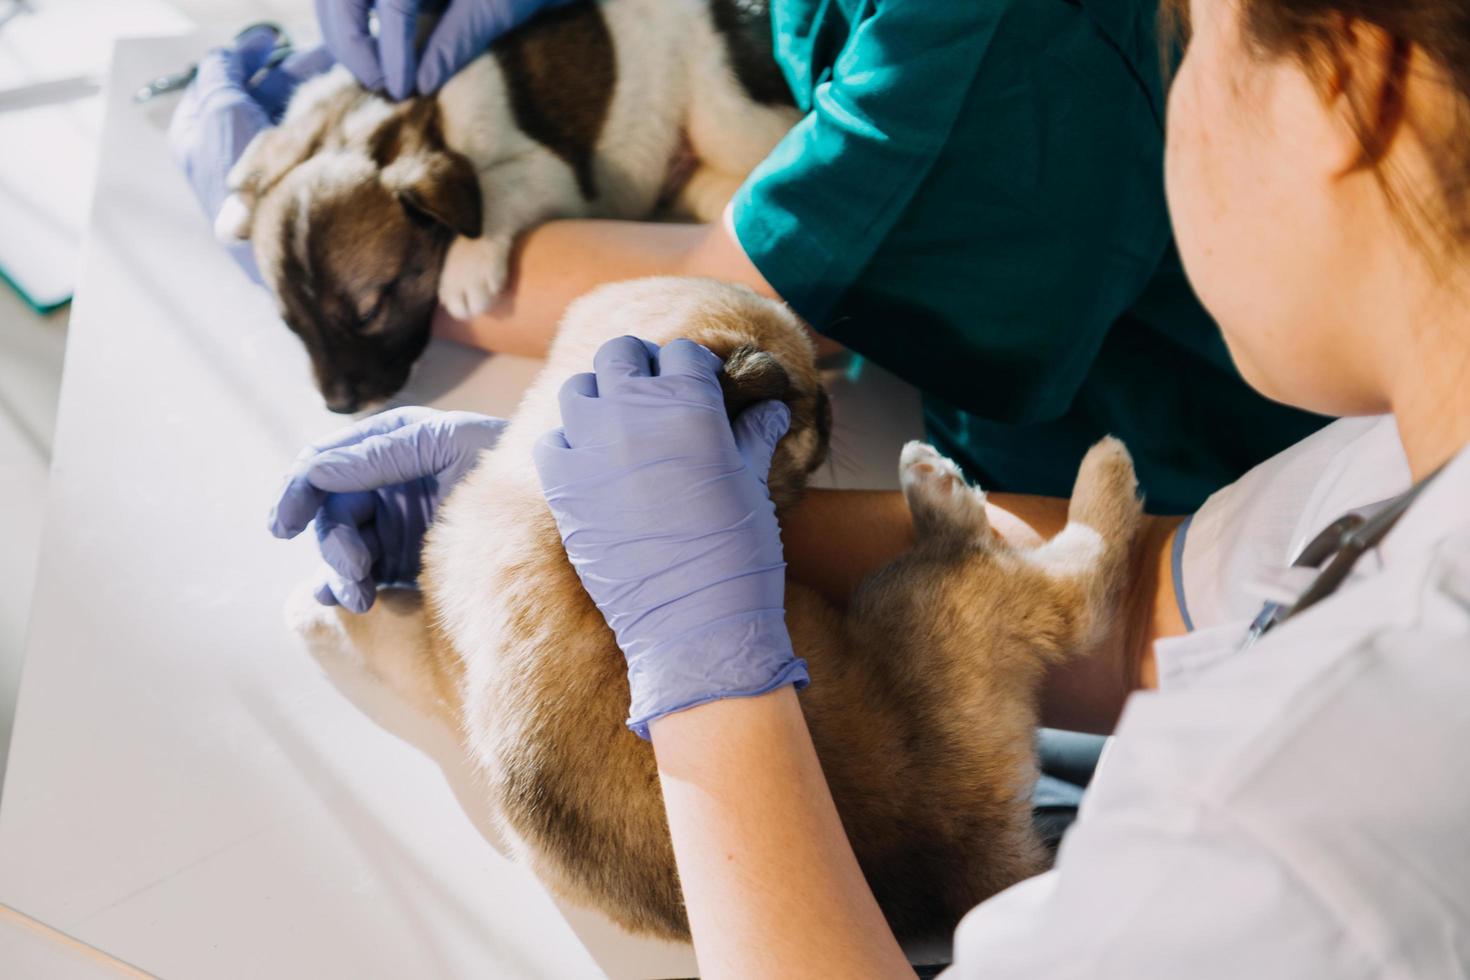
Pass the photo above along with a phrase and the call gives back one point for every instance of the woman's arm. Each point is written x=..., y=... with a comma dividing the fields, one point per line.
x=770, y=881
x=559, y=261
x=1082, y=694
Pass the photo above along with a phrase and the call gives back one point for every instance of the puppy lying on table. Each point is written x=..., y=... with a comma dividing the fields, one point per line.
x=922, y=702
x=365, y=213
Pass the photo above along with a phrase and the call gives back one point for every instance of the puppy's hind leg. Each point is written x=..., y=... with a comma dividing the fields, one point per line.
x=738, y=110
x=705, y=194
x=1105, y=495
x=378, y=656
x=1094, y=553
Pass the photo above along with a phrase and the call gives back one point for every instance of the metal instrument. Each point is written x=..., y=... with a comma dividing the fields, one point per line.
x=175, y=81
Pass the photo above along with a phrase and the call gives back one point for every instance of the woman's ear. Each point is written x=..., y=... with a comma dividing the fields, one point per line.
x=1363, y=75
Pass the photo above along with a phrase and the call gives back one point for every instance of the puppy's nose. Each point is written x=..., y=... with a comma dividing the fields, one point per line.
x=341, y=398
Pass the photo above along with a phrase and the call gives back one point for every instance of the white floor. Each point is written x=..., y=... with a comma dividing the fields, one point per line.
x=31, y=349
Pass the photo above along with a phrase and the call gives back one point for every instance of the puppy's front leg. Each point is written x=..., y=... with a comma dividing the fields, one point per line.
x=518, y=194
x=474, y=274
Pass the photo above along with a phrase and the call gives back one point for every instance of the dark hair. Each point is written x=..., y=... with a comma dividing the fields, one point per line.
x=1312, y=32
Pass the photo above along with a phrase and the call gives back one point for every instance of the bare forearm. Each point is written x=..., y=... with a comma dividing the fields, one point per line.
x=824, y=553
x=770, y=881
x=561, y=260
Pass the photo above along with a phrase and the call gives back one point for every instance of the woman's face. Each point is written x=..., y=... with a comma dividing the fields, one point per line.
x=1253, y=169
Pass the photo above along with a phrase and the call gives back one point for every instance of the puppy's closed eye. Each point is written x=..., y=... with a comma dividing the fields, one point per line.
x=371, y=306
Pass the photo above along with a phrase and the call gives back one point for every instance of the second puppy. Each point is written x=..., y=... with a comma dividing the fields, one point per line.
x=364, y=213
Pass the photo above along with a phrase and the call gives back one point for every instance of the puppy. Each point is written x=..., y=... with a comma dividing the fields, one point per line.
x=922, y=702
x=363, y=212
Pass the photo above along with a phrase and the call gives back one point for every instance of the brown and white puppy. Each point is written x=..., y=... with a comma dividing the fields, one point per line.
x=364, y=212
x=922, y=703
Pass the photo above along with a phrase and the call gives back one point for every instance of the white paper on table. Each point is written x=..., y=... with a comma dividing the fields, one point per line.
x=48, y=152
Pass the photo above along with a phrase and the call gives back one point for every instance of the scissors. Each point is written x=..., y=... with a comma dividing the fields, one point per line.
x=174, y=81
x=1333, y=553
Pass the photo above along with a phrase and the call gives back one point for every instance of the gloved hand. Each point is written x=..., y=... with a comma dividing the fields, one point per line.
x=225, y=106
x=372, y=489
x=389, y=61
x=665, y=513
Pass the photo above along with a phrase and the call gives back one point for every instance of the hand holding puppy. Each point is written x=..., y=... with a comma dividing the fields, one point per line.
x=664, y=510
x=389, y=62
x=232, y=98
x=372, y=490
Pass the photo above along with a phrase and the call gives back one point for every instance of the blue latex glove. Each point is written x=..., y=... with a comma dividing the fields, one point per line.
x=665, y=513
x=389, y=61
x=225, y=106
x=372, y=489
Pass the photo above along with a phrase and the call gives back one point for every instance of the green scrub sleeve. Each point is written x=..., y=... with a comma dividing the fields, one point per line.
x=811, y=215
x=976, y=218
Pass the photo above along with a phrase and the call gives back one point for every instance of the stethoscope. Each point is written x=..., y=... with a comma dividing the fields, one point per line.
x=1334, y=552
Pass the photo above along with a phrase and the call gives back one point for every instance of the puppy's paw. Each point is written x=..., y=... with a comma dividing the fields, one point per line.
x=323, y=631
x=304, y=615
x=232, y=223
x=378, y=658
x=474, y=274
x=1105, y=496
x=937, y=494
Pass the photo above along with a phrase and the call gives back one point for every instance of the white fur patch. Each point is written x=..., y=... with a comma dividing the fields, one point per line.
x=232, y=224
x=474, y=274
x=360, y=123
x=1074, y=552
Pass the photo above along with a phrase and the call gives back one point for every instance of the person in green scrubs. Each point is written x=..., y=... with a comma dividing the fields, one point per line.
x=974, y=201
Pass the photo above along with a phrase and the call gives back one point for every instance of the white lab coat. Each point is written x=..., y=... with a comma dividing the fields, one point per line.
x=1297, y=810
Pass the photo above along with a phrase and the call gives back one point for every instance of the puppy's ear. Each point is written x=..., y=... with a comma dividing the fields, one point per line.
x=752, y=375
x=441, y=186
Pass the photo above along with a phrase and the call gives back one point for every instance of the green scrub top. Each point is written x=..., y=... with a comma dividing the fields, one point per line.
x=974, y=200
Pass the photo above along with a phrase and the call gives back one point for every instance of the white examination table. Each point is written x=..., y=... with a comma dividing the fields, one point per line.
x=187, y=791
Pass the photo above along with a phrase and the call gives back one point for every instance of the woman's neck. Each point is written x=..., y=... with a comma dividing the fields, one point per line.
x=1430, y=397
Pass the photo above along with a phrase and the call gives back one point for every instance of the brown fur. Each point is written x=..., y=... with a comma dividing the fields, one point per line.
x=356, y=272
x=922, y=703
x=746, y=27
x=561, y=108
x=366, y=214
